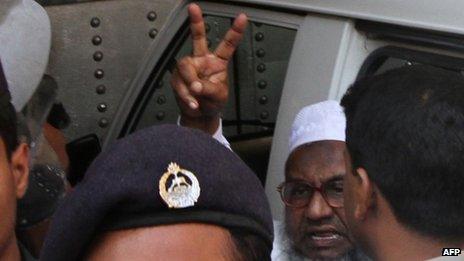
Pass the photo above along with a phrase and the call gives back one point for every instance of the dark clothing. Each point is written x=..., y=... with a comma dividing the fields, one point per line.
x=25, y=255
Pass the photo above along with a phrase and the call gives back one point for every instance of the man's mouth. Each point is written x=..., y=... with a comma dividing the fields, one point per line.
x=324, y=238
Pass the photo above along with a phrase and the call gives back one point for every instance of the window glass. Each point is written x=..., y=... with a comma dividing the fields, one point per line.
x=391, y=57
x=256, y=78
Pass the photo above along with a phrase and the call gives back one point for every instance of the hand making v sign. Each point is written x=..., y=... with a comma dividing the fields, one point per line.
x=200, y=81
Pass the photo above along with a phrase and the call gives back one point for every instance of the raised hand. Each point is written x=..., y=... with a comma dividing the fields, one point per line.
x=200, y=80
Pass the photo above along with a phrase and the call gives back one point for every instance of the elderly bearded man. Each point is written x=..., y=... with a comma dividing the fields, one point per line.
x=313, y=189
x=315, y=231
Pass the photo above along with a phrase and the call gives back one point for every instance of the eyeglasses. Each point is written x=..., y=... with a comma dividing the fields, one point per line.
x=297, y=194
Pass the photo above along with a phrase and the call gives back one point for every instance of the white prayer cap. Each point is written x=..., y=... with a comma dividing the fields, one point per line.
x=321, y=121
x=25, y=40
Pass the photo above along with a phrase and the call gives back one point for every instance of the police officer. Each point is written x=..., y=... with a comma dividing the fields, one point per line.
x=14, y=173
x=164, y=193
x=25, y=39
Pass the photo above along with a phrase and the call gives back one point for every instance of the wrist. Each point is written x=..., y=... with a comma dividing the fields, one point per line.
x=208, y=124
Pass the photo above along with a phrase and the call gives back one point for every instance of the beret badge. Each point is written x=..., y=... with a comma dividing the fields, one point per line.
x=179, y=188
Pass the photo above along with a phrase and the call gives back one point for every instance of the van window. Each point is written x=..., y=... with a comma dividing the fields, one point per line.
x=390, y=57
x=256, y=78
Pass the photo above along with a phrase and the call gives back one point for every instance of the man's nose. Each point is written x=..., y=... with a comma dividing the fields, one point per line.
x=318, y=208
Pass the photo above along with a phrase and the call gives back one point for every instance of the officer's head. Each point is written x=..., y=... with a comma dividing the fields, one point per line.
x=13, y=168
x=313, y=187
x=164, y=193
x=405, y=138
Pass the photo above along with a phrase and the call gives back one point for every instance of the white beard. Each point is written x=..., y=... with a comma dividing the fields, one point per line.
x=284, y=250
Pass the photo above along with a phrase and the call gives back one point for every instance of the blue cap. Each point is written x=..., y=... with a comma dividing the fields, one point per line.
x=161, y=175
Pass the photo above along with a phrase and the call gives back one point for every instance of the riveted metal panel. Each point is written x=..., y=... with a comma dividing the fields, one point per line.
x=263, y=60
x=96, y=51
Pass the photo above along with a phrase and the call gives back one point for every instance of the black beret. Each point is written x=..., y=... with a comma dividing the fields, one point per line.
x=122, y=189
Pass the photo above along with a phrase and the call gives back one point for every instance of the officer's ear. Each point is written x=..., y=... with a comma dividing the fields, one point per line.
x=20, y=169
x=365, y=194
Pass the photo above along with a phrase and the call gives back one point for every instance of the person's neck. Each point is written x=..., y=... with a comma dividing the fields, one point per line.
x=393, y=241
x=11, y=251
x=405, y=245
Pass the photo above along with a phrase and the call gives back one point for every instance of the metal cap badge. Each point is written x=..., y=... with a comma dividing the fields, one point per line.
x=179, y=188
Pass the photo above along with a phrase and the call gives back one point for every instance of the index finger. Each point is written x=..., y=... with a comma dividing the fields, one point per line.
x=229, y=43
x=197, y=28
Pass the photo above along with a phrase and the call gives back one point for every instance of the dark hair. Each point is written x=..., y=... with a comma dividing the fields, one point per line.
x=406, y=128
x=8, y=124
x=248, y=246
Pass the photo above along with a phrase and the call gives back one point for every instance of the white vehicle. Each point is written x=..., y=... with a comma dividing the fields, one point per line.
x=111, y=61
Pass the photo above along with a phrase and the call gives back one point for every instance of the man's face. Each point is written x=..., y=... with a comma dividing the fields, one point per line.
x=351, y=191
x=13, y=184
x=7, y=200
x=189, y=241
x=315, y=230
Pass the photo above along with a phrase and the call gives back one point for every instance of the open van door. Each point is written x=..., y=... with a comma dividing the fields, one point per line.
x=112, y=61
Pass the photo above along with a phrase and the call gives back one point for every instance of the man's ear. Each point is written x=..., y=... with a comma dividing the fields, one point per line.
x=365, y=194
x=20, y=169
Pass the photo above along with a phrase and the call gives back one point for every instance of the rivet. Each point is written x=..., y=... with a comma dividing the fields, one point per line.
x=262, y=84
x=97, y=40
x=263, y=99
x=259, y=37
x=95, y=22
x=264, y=115
x=24, y=221
x=207, y=27
x=261, y=67
x=99, y=73
x=153, y=32
x=40, y=184
x=260, y=53
x=160, y=115
x=101, y=89
x=151, y=16
x=408, y=63
x=98, y=56
x=103, y=123
x=102, y=107
x=161, y=99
